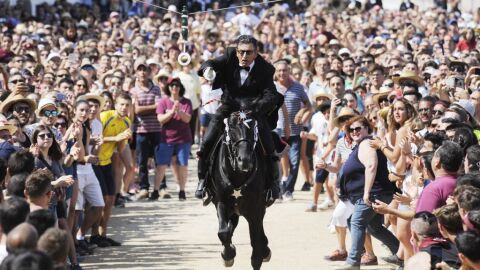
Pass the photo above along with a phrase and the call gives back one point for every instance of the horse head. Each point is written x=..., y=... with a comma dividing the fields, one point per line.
x=241, y=138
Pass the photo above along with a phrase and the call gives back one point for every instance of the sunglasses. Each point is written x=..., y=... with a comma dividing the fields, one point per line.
x=45, y=135
x=367, y=61
x=457, y=69
x=17, y=81
x=390, y=85
x=60, y=125
x=62, y=75
x=395, y=66
x=174, y=85
x=6, y=137
x=81, y=85
x=246, y=52
x=22, y=109
x=426, y=110
x=52, y=113
x=438, y=112
x=356, y=129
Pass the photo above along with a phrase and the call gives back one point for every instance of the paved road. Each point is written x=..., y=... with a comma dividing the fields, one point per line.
x=174, y=235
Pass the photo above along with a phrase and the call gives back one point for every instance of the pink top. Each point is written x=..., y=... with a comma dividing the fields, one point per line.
x=175, y=130
x=436, y=193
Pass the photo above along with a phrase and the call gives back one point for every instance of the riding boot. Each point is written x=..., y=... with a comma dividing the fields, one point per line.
x=272, y=180
x=213, y=133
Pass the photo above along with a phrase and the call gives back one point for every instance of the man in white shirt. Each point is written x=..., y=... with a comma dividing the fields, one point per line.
x=246, y=21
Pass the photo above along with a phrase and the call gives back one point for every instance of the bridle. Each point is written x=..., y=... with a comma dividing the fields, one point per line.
x=232, y=146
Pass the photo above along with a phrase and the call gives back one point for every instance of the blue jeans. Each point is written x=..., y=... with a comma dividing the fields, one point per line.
x=146, y=144
x=364, y=218
x=294, y=159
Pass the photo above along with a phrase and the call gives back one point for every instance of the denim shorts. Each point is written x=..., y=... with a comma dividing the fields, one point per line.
x=165, y=151
x=205, y=119
x=321, y=176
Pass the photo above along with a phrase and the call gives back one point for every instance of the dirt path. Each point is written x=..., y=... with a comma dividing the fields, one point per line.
x=173, y=235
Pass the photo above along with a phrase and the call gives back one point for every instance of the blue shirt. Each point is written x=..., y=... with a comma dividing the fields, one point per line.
x=295, y=99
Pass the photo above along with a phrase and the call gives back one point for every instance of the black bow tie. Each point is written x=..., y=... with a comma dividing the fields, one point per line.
x=245, y=68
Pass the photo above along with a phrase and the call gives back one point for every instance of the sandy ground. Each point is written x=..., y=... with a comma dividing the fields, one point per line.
x=171, y=234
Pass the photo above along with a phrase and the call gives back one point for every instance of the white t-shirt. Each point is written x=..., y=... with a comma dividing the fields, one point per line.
x=97, y=130
x=320, y=129
x=208, y=105
x=246, y=23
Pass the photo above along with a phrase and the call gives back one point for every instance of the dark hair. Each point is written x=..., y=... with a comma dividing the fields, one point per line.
x=175, y=80
x=108, y=95
x=350, y=92
x=32, y=260
x=424, y=224
x=449, y=217
x=16, y=185
x=469, y=179
x=473, y=157
x=377, y=68
x=430, y=99
x=65, y=80
x=427, y=161
x=247, y=39
x=21, y=162
x=84, y=80
x=436, y=139
x=124, y=96
x=464, y=136
x=13, y=212
x=337, y=76
x=42, y=220
x=474, y=217
x=81, y=101
x=450, y=155
x=468, y=243
x=3, y=170
x=467, y=197
x=54, y=243
x=39, y=183
x=54, y=152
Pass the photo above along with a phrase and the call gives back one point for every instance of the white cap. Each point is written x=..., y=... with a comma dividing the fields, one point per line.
x=172, y=8
x=466, y=105
x=152, y=61
x=53, y=55
x=344, y=51
x=334, y=42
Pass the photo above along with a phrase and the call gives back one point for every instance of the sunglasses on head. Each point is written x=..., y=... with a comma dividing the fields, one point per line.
x=52, y=113
x=457, y=69
x=45, y=135
x=438, y=112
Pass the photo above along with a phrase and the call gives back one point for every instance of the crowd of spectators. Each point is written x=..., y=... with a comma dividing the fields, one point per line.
x=381, y=113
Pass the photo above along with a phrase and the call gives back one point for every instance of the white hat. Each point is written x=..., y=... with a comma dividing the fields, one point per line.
x=53, y=55
x=152, y=61
x=344, y=51
x=43, y=103
x=172, y=8
x=466, y=105
x=114, y=14
x=334, y=42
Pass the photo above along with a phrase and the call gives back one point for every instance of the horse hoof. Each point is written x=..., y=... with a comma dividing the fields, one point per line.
x=228, y=263
x=268, y=257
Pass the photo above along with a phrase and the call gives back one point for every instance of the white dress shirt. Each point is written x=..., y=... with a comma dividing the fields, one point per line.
x=244, y=73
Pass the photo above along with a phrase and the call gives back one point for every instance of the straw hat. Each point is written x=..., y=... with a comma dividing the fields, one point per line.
x=384, y=92
x=91, y=96
x=161, y=73
x=408, y=76
x=9, y=102
x=345, y=114
x=11, y=128
x=323, y=93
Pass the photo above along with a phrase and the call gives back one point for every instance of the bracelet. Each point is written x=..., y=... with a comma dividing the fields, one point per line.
x=399, y=175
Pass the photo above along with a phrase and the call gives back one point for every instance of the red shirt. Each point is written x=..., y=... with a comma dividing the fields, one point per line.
x=175, y=130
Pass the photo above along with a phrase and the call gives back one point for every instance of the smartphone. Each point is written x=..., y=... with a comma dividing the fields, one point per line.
x=286, y=40
x=343, y=103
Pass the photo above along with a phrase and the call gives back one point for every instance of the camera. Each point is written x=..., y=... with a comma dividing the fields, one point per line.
x=343, y=102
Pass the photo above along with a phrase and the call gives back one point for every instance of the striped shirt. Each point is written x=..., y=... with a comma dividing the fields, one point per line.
x=146, y=123
x=295, y=99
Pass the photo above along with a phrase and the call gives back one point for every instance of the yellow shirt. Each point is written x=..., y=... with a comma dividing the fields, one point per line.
x=112, y=126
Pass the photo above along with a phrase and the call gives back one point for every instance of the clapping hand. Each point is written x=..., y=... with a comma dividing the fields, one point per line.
x=375, y=143
x=63, y=181
x=35, y=150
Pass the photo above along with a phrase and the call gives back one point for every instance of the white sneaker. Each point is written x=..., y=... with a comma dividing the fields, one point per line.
x=325, y=205
x=287, y=196
x=311, y=208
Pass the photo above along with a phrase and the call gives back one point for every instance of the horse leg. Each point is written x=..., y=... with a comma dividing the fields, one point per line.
x=232, y=224
x=225, y=236
x=257, y=240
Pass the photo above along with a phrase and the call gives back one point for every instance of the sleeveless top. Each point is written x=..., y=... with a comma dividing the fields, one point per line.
x=354, y=176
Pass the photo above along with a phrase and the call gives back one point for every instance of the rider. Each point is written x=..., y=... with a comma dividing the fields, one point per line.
x=242, y=73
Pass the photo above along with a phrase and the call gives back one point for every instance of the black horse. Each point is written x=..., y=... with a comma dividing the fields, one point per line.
x=238, y=186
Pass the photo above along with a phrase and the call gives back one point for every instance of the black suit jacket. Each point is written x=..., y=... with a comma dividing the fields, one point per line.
x=258, y=85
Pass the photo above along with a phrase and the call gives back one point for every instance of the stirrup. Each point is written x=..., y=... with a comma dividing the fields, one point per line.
x=206, y=197
x=269, y=199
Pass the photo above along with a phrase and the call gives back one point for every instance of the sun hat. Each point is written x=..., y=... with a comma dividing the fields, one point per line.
x=91, y=96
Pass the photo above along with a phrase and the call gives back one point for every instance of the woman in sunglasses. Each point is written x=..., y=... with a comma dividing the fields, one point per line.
x=47, y=115
x=365, y=180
